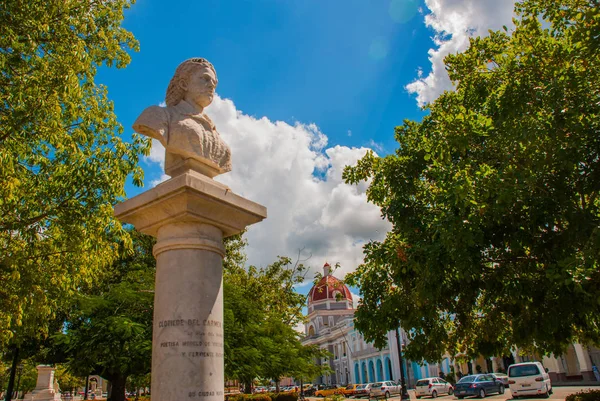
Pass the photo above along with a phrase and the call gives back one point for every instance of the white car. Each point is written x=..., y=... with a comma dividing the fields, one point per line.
x=363, y=390
x=432, y=386
x=529, y=378
x=384, y=389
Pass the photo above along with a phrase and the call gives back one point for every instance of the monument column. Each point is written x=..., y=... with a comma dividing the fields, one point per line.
x=188, y=314
x=189, y=214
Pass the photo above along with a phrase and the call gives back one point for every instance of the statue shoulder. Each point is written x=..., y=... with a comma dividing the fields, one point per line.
x=153, y=122
x=212, y=125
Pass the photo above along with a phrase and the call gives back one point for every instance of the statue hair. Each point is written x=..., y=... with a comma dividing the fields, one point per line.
x=184, y=71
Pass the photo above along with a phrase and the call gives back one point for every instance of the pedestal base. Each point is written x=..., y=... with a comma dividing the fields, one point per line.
x=44, y=395
x=45, y=388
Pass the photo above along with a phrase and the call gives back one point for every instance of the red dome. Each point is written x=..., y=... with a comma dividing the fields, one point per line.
x=328, y=288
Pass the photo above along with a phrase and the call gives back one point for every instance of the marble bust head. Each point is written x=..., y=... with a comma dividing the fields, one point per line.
x=190, y=138
x=194, y=81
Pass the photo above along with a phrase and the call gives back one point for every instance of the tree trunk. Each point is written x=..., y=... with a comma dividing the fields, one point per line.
x=87, y=384
x=13, y=370
x=117, y=388
x=248, y=387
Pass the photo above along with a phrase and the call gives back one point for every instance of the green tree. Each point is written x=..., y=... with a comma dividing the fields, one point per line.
x=138, y=382
x=68, y=382
x=63, y=162
x=261, y=308
x=493, y=198
x=28, y=376
x=110, y=334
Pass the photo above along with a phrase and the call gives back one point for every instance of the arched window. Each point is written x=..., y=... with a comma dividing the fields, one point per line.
x=388, y=363
x=311, y=331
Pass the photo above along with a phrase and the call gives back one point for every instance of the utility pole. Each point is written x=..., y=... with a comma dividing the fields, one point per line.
x=403, y=391
x=19, y=372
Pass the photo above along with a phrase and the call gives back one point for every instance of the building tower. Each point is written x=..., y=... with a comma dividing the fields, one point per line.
x=329, y=320
x=329, y=302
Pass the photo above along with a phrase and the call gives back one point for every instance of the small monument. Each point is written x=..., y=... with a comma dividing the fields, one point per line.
x=46, y=388
x=189, y=214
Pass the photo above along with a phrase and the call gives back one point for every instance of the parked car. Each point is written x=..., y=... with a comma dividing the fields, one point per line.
x=328, y=390
x=479, y=385
x=363, y=390
x=503, y=377
x=384, y=389
x=349, y=390
x=259, y=389
x=433, y=386
x=529, y=378
x=310, y=391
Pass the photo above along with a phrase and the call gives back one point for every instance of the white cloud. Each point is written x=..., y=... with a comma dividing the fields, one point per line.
x=454, y=21
x=290, y=170
x=376, y=146
x=299, y=327
x=355, y=299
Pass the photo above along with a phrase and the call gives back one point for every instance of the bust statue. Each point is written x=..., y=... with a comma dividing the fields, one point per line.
x=190, y=138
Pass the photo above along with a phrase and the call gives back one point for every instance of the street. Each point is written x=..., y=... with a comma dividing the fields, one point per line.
x=560, y=393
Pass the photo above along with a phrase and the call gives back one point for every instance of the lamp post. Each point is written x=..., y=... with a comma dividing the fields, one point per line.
x=19, y=372
x=403, y=392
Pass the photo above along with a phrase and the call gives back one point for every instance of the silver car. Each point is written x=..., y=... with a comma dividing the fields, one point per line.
x=363, y=390
x=503, y=377
x=384, y=389
x=433, y=386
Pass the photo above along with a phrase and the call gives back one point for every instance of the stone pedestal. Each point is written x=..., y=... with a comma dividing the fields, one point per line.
x=189, y=215
x=45, y=388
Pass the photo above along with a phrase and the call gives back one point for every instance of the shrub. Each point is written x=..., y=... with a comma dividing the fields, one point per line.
x=590, y=395
x=260, y=397
x=285, y=396
x=335, y=397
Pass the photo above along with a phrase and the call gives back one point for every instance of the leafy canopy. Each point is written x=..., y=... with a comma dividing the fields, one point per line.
x=63, y=162
x=493, y=197
x=109, y=331
x=261, y=308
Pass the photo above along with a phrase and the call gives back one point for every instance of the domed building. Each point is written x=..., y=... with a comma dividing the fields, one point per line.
x=330, y=325
x=329, y=302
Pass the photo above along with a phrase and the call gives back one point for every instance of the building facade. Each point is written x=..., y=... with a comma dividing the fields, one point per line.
x=330, y=325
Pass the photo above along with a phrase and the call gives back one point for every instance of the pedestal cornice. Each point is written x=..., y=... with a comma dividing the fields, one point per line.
x=190, y=197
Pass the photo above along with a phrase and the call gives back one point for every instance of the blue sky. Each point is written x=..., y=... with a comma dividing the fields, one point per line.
x=342, y=65
x=305, y=88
